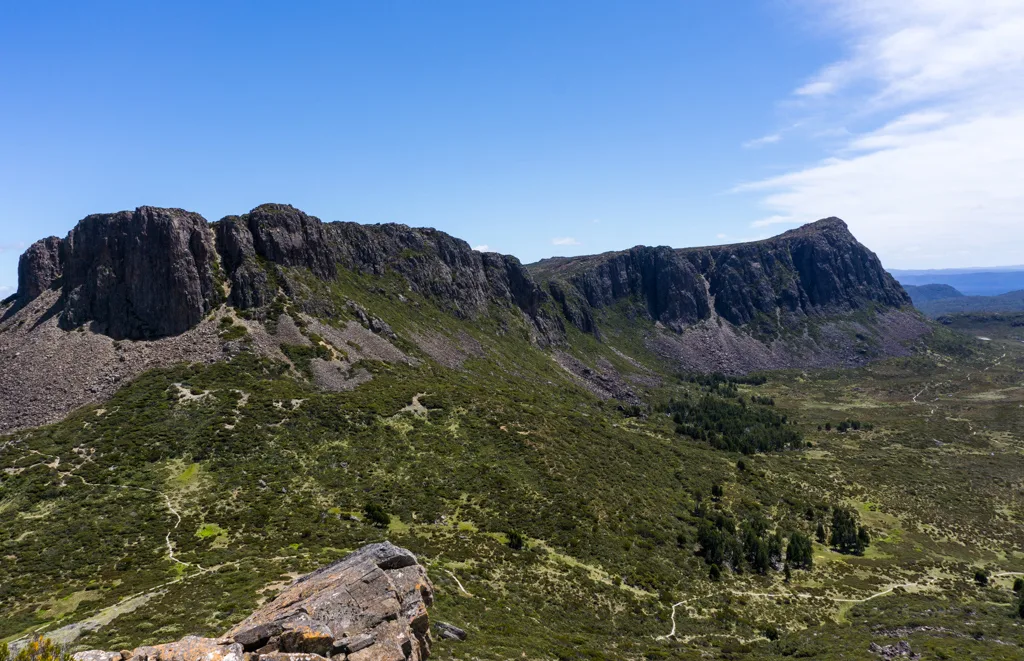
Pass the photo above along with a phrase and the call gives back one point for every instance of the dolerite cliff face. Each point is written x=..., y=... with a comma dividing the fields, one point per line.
x=155, y=272
x=369, y=606
x=817, y=270
x=142, y=274
x=435, y=264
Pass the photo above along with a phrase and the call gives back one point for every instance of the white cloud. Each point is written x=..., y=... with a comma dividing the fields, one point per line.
x=12, y=247
x=935, y=178
x=816, y=88
x=482, y=248
x=564, y=241
x=776, y=220
x=770, y=139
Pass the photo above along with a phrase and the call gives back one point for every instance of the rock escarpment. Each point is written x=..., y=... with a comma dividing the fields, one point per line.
x=433, y=263
x=817, y=270
x=369, y=606
x=154, y=273
x=139, y=275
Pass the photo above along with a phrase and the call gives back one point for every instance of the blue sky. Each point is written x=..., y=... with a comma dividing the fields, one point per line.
x=532, y=128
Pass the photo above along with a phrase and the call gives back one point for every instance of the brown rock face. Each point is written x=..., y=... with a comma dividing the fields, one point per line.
x=369, y=606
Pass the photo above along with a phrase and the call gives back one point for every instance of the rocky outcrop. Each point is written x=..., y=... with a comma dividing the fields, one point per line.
x=142, y=274
x=39, y=269
x=369, y=606
x=817, y=270
x=138, y=275
x=433, y=263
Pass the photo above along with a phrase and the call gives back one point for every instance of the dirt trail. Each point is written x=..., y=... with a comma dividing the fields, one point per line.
x=55, y=466
x=789, y=595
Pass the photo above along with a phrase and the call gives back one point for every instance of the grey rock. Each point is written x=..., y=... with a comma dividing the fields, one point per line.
x=435, y=264
x=352, y=644
x=371, y=605
x=256, y=637
x=379, y=592
x=900, y=650
x=97, y=655
x=450, y=631
x=39, y=268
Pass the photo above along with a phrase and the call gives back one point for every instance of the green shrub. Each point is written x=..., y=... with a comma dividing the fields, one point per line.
x=515, y=540
x=375, y=514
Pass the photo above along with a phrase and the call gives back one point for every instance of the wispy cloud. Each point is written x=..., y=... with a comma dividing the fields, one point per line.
x=932, y=177
x=12, y=247
x=482, y=248
x=564, y=241
x=770, y=139
x=5, y=291
x=775, y=220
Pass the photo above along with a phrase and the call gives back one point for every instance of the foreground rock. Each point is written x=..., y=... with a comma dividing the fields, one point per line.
x=369, y=606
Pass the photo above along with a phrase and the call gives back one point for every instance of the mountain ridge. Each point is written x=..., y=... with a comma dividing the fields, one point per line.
x=133, y=290
x=98, y=269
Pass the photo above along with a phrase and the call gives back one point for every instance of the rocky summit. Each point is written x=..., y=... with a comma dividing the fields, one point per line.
x=369, y=606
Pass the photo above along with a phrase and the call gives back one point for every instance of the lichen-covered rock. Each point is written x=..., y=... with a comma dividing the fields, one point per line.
x=98, y=655
x=369, y=606
x=189, y=648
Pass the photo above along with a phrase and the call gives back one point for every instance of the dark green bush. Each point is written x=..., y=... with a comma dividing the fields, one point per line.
x=376, y=514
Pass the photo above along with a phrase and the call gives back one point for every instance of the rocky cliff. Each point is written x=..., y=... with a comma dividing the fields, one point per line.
x=142, y=274
x=156, y=273
x=817, y=270
x=369, y=606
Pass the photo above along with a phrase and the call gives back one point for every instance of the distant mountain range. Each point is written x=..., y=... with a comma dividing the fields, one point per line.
x=957, y=304
x=956, y=291
x=969, y=282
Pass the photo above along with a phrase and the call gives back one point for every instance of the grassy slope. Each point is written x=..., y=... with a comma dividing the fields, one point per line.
x=273, y=484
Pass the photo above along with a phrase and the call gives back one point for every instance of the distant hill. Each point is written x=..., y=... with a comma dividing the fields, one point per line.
x=1009, y=302
x=970, y=282
x=925, y=293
